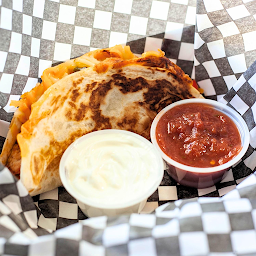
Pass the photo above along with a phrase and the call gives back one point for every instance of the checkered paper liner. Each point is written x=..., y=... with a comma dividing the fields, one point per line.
x=36, y=34
x=198, y=226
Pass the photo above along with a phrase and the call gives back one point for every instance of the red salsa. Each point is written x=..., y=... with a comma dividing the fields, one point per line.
x=198, y=135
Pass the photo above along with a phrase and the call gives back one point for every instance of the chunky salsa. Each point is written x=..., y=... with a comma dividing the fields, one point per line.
x=198, y=135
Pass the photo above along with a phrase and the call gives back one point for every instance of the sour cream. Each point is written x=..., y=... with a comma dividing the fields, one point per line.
x=112, y=167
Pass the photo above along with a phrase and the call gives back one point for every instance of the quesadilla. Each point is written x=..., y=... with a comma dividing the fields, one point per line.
x=114, y=93
x=49, y=77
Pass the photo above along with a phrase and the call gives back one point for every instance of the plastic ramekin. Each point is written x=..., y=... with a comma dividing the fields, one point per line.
x=195, y=176
x=94, y=209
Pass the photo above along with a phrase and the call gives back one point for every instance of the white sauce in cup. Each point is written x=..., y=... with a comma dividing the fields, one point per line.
x=112, y=168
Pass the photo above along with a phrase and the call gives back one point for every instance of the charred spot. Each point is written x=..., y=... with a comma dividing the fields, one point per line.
x=62, y=101
x=78, y=81
x=101, y=121
x=55, y=149
x=60, y=147
x=72, y=104
x=186, y=94
x=131, y=122
x=89, y=87
x=155, y=93
x=68, y=115
x=152, y=61
x=164, y=84
x=98, y=94
x=80, y=114
x=129, y=85
x=55, y=100
x=164, y=103
x=119, y=77
x=75, y=94
x=171, y=74
x=163, y=93
x=96, y=98
x=146, y=62
x=163, y=62
x=58, y=102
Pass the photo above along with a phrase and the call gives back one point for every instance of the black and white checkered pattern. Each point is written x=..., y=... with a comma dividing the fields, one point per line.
x=57, y=209
x=198, y=226
x=224, y=44
x=17, y=211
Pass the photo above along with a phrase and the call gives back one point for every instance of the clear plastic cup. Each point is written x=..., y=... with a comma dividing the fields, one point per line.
x=195, y=176
x=126, y=206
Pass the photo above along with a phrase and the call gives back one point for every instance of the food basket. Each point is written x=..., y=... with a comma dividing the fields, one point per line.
x=214, y=43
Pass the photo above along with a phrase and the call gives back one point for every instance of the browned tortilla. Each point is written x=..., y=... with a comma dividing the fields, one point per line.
x=114, y=94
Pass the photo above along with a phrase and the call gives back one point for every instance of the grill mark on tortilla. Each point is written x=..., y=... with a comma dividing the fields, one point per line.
x=59, y=103
x=160, y=62
x=97, y=97
x=127, y=121
x=164, y=89
x=159, y=90
x=156, y=91
x=55, y=100
x=78, y=81
x=72, y=104
x=75, y=94
x=157, y=63
x=129, y=85
x=81, y=112
x=53, y=153
x=68, y=115
x=89, y=87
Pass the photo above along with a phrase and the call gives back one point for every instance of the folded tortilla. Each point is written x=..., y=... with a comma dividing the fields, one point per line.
x=49, y=77
x=113, y=94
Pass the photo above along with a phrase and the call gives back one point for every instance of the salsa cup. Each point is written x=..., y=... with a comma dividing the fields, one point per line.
x=195, y=176
x=109, y=207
